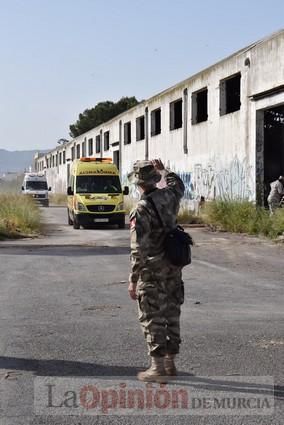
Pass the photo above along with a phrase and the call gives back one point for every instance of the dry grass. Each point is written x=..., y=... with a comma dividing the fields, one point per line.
x=244, y=217
x=12, y=186
x=58, y=199
x=187, y=216
x=19, y=216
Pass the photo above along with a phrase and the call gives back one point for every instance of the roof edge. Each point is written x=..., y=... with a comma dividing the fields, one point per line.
x=175, y=86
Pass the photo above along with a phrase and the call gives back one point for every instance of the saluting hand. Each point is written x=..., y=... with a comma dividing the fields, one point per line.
x=157, y=163
x=132, y=290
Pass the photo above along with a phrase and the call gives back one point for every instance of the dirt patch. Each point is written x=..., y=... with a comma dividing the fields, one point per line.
x=270, y=343
x=103, y=307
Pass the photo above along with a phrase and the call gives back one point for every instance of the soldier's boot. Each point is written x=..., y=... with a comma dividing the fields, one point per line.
x=169, y=363
x=155, y=373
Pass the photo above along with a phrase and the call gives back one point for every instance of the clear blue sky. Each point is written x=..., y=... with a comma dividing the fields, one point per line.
x=59, y=57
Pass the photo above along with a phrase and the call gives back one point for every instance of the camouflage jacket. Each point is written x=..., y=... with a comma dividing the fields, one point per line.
x=276, y=192
x=146, y=234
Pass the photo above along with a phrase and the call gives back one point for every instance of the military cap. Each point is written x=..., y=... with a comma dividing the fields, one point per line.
x=144, y=172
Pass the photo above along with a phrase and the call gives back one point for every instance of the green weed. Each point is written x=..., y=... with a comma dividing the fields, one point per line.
x=19, y=216
x=243, y=217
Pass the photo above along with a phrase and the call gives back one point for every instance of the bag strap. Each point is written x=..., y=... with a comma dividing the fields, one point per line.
x=156, y=211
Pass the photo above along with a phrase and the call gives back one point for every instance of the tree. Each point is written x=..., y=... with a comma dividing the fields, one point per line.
x=101, y=113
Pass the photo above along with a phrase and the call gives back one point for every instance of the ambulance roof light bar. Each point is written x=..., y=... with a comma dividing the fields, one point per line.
x=87, y=159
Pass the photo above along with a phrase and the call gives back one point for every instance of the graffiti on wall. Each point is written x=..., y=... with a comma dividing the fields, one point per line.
x=204, y=181
x=189, y=187
x=185, y=176
x=211, y=181
x=236, y=182
x=232, y=182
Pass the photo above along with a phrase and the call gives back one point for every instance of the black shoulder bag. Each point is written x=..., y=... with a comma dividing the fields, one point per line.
x=177, y=242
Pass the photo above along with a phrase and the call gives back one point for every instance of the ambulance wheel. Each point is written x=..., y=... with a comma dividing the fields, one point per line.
x=70, y=222
x=76, y=224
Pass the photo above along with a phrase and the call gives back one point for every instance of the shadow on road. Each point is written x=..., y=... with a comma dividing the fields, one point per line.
x=66, y=368
x=64, y=250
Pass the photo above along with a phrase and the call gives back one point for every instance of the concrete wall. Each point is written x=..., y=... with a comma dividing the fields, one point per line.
x=221, y=152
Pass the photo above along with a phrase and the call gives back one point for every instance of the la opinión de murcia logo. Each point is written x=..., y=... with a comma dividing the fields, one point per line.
x=75, y=396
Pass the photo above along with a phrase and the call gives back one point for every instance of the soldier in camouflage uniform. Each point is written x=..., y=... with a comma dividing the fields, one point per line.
x=276, y=194
x=154, y=282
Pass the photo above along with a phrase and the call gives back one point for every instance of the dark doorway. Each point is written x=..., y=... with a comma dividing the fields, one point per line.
x=273, y=146
x=116, y=158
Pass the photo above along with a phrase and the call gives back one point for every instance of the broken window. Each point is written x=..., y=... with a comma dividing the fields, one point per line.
x=176, y=114
x=83, y=149
x=230, y=94
x=98, y=143
x=156, y=122
x=199, y=106
x=78, y=151
x=127, y=133
x=140, y=128
x=90, y=147
x=106, y=141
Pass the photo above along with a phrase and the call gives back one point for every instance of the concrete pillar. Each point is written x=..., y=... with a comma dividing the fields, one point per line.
x=146, y=133
x=185, y=120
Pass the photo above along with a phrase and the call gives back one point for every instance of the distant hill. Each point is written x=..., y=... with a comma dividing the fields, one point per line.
x=15, y=161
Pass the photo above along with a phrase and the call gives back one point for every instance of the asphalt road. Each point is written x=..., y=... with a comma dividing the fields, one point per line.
x=65, y=313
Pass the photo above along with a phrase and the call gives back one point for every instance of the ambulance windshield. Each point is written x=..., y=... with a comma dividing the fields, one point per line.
x=98, y=184
x=36, y=185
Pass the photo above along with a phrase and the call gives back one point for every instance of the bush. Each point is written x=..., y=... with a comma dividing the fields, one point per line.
x=277, y=223
x=19, y=216
x=243, y=217
x=186, y=216
x=58, y=199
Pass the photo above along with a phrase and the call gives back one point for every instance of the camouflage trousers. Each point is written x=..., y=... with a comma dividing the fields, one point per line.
x=273, y=205
x=160, y=295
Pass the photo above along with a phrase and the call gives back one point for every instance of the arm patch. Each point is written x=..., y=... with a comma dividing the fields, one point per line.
x=133, y=223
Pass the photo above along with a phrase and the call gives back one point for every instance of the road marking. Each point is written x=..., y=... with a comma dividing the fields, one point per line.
x=215, y=267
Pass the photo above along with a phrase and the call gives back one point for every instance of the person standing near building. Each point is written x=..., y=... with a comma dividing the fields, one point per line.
x=154, y=282
x=276, y=194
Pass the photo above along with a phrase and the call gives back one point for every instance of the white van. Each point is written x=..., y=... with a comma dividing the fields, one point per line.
x=35, y=185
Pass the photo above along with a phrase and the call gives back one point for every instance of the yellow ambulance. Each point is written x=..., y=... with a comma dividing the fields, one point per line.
x=94, y=193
